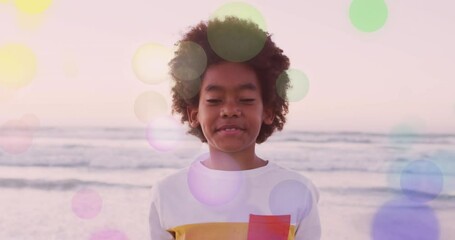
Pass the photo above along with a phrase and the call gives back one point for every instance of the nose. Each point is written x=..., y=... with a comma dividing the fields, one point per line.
x=230, y=109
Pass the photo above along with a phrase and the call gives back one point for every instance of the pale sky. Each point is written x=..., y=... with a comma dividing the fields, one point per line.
x=399, y=74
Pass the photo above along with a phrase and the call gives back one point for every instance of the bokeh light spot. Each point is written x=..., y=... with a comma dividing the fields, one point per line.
x=165, y=133
x=211, y=188
x=233, y=41
x=189, y=147
x=421, y=180
x=240, y=10
x=368, y=15
x=32, y=6
x=16, y=136
x=298, y=85
x=192, y=61
x=150, y=63
x=190, y=87
x=150, y=105
x=108, y=234
x=291, y=197
x=86, y=203
x=18, y=65
x=403, y=219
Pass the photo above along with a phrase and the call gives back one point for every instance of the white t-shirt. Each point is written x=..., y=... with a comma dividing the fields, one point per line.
x=199, y=203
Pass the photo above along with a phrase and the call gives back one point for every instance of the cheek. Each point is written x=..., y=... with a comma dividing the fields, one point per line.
x=205, y=120
x=258, y=120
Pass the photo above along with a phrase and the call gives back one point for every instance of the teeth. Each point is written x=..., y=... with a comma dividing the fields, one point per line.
x=230, y=129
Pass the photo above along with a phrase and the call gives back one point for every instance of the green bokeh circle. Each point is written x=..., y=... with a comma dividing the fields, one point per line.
x=237, y=40
x=298, y=85
x=191, y=63
x=368, y=15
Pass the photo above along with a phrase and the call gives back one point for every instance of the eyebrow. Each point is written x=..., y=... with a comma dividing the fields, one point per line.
x=245, y=86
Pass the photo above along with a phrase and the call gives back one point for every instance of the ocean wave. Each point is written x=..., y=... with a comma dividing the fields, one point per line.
x=372, y=191
x=129, y=133
x=59, y=185
x=88, y=165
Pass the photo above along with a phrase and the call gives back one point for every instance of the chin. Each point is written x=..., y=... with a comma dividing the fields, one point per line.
x=231, y=148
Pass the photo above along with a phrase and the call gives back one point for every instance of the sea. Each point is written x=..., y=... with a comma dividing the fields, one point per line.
x=357, y=174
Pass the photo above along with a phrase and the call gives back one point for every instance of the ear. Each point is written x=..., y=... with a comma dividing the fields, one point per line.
x=268, y=116
x=192, y=113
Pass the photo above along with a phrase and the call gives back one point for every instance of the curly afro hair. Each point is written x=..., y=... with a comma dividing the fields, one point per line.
x=229, y=40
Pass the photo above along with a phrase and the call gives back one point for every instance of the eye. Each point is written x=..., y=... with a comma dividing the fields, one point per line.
x=247, y=100
x=213, y=100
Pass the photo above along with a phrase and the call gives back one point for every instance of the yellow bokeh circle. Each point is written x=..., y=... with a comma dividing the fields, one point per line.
x=150, y=105
x=32, y=6
x=150, y=63
x=17, y=65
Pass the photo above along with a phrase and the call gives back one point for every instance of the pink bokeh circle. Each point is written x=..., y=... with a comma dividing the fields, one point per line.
x=165, y=133
x=16, y=137
x=86, y=203
x=213, y=187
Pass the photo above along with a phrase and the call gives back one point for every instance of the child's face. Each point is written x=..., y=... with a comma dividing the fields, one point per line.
x=230, y=110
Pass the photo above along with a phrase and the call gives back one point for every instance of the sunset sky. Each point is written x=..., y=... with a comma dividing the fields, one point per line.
x=81, y=73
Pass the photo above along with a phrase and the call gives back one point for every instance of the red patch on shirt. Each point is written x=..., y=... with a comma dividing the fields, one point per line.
x=270, y=227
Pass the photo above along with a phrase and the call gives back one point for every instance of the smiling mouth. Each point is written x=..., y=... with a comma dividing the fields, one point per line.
x=230, y=129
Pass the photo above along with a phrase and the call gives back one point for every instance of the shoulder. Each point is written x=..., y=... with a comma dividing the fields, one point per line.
x=289, y=178
x=286, y=173
x=172, y=181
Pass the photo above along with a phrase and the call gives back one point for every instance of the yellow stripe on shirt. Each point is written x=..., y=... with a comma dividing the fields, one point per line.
x=216, y=231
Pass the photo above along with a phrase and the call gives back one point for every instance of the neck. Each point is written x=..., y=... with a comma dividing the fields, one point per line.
x=233, y=161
